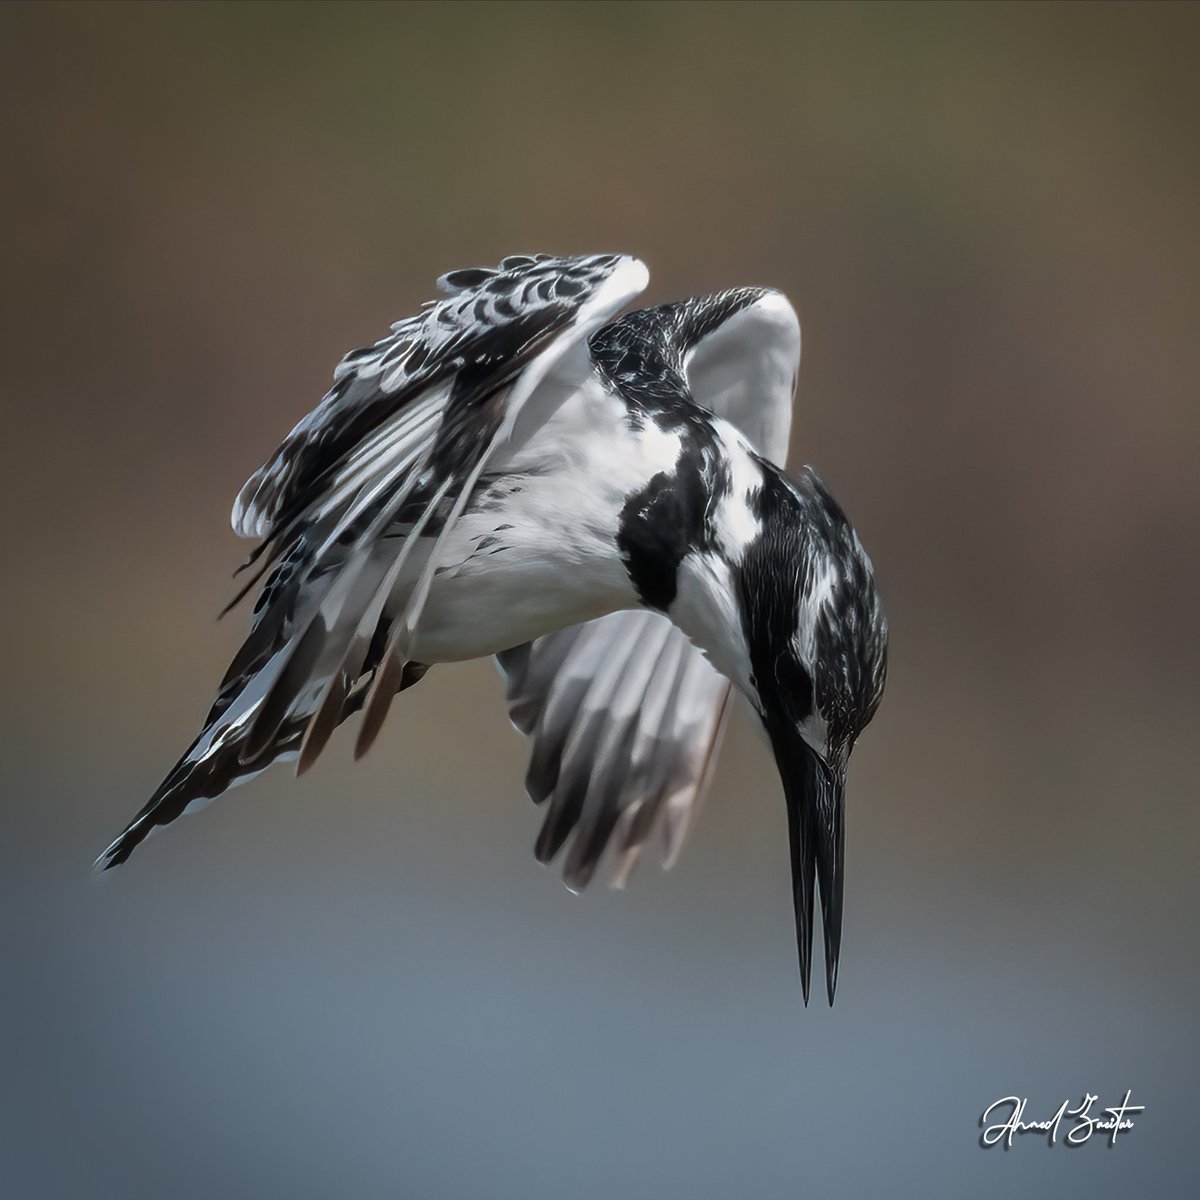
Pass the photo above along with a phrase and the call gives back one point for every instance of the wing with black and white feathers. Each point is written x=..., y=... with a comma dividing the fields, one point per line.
x=410, y=425
x=428, y=382
x=625, y=714
x=403, y=435
x=625, y=718
x=742, y=366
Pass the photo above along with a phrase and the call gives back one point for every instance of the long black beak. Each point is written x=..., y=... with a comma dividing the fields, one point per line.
x=816, y=801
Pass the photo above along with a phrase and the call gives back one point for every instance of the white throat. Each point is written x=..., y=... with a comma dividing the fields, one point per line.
x=706, y=609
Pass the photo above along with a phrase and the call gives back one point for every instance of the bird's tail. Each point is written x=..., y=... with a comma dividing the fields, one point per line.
x=212, y=765
x=225, y=755
x=308, y=664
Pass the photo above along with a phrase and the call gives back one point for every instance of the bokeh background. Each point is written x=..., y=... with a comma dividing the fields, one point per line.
x=360, y=984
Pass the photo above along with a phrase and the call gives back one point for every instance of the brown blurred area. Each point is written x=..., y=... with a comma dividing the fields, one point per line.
x=360, y=983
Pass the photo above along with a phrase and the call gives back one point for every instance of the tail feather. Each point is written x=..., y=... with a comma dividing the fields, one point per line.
x=276, y=686
x=211, y=766
x=214, y=763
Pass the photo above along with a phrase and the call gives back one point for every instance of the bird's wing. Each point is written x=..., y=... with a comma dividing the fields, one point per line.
x=626, y=717
x=625, y=714
x=743, y=364
x=402, y=436
x=440, y=367
x=409, y=426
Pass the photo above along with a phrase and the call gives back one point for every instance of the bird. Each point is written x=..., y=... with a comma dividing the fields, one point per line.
x=598, y=502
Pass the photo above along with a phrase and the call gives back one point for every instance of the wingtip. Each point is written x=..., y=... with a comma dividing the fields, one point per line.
x=116, y=852
x=100, y=866
x=635, y=272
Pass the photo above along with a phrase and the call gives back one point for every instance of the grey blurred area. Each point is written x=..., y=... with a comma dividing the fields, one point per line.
x=360, y=984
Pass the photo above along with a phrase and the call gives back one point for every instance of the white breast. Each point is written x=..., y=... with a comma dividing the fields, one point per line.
x=538, y=550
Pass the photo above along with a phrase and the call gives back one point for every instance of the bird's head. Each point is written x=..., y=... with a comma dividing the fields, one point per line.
x=816, y=639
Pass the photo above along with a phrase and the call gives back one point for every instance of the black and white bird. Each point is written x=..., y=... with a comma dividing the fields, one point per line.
x=598, y=503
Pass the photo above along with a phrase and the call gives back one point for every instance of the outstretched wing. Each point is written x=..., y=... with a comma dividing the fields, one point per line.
x=408, y=428
x=402, y=436
x=626, y=717
x=458, y=353
x=625, y=714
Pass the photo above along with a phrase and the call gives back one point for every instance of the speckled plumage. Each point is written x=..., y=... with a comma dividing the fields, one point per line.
x=598, y=503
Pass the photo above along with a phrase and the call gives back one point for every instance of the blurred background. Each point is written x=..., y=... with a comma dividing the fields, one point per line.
x=360, y=984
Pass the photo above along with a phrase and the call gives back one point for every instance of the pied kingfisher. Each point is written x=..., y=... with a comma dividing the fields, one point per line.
x=596, y=502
